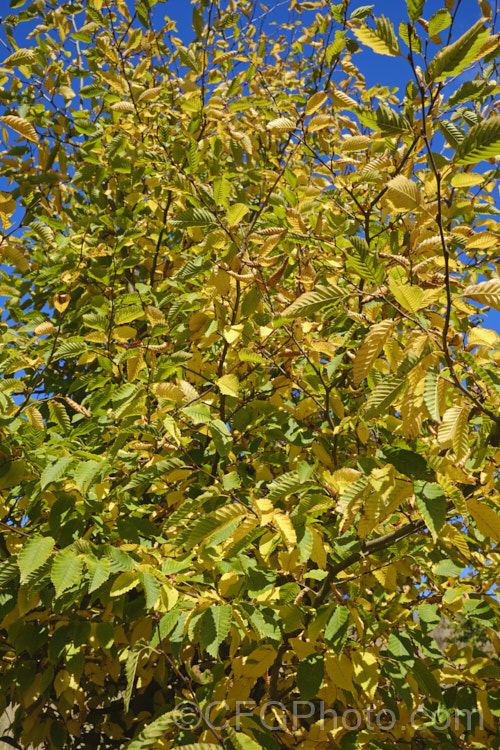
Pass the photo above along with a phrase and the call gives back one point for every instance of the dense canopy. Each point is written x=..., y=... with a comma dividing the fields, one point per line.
x=249, y=415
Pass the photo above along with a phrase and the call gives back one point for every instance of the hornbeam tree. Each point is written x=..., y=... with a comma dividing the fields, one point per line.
x=249, y=421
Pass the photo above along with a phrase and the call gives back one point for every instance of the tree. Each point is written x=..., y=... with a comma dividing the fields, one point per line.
x=250, y=414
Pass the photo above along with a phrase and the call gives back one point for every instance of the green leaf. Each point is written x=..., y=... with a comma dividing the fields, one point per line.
x=34, y=554
x=440, y=20
x=99, y=571
x=399, y=646
x=310, y=675
x=130, y=670
x=431, y=503
x=336, y=628
x=426, y=680
x=452, y=60
x=195, y=217
x=383, y=396
x=221, y=436
x=240, y=741
x=9, y=569
x=215, y=626
x=66, y=570
x=415, y=9
x=382, y=39
x=155, y=731
x=55, y=471
x=311, y=302
x=59, y=415
x=151, y=587
x=448, y=568
x=481, y=142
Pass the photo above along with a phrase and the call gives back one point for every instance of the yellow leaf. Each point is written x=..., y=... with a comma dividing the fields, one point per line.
x=355, y=143
x=233, y=333
x=21, y=126
x=122, y=107
x=228, y=385
x=339, y=670
x=342, y=100
x=123, y=333
x=482, y=337
x=264, y=508
x=134, y=365
x=452, y=428
x=370, y=349
x=365, y=668
x=411, y=298
x=320, y=122
x=286, y=529
x=487, y=519
x=486, y=292
x=315, y=102
x=281, y=125
x=403, y=194
x=236, y=213
x=168, y=391
x=44, y=329
x=482, y=240
x=255, y=664
x=466, y=179
x=34, y=417
x=383, y=44
x=154, y=314
x=61, y=302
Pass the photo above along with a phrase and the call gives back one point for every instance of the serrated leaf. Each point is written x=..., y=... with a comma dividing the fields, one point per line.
x=20, y=126
x=281, y=125
x=439, y=21
x=19, y=57
x=481, y=142
x=383, y=396
x=229, y=385
x=151, y=587
x=311, y=302
x=34, y=554
x=9, y=569
x=310, y=675
x=99, y=571
x=370, y=349
x=431, y=503
x=215, y=626
x=195, y=217
x=415, y=9
x=66, y=570
x=336, y=628
x=286, y=530
x=59, y=415
x=452, y=429
x=382, y=39
x=403, y=194
x=55, y=471
x=125, y=581
x=153, y=732
x=453, y=59
x=236, y=213
x=239, y=740
x=130, y=671
x=431, y=394
x=221, y=436
x=486, y=519
x=315, y=102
